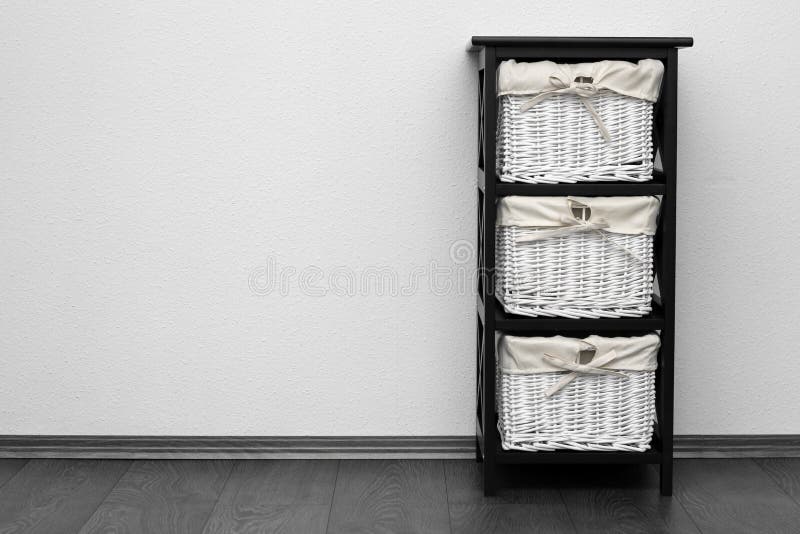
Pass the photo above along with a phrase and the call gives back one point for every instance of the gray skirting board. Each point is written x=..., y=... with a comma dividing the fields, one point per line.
x=211, y=447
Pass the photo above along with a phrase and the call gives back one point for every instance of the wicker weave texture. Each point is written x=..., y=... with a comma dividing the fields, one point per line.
x=590, y=274
x=558, y=141
x=592, y=413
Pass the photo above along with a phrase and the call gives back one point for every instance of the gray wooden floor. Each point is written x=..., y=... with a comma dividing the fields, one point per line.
x=310, y=496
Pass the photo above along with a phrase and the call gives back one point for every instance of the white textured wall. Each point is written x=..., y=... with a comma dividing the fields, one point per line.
x=154, y=155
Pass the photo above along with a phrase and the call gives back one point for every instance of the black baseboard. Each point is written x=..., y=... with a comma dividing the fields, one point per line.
x=221, y=447
x=214, y=447
x=737, y=446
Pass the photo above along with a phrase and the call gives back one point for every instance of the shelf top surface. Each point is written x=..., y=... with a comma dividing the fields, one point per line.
x=479, y=41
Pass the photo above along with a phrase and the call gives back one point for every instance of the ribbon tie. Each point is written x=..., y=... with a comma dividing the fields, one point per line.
x=583, y=86
x=573, y=225
x=594, y=367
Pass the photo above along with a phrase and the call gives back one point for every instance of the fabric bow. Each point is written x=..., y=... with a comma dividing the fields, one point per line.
x=582, y=86
x=573, y=225
x=594, y=367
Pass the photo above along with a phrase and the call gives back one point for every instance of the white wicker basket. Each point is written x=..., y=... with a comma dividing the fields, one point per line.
x=589, y=122
x=594, y=394
x=576, y=257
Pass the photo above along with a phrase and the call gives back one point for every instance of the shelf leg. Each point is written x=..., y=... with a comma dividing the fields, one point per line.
x=666, y=477
x=489, y=479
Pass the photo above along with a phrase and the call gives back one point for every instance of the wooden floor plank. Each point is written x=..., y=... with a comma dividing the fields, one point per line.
x=56, y=495
x=505, y=519
x=528, y=501
x=9, y=468
x=162, y=496
x=410, y=481
x=393, y=496
x=390, y=496
x=389, y=518
x=621, y=499
x=272, y=519
x=275, y=496
x=522, y=484
x=734, y=496
x=785, y=472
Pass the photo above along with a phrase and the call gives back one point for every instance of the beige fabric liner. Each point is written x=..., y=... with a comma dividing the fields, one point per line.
x=621, y=215
x=525, y=355
x=639, y=80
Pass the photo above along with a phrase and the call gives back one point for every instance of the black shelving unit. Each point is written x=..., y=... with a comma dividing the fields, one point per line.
x=491, y=317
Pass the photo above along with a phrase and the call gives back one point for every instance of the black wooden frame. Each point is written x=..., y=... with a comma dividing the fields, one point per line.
x=491, y=318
